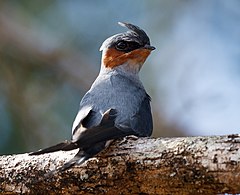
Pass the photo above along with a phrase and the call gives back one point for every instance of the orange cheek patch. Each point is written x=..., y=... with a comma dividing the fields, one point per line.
x=115, y=58
x=138, y=56
x=112, y=57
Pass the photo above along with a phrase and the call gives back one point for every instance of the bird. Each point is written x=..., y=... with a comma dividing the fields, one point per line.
x=117, y=104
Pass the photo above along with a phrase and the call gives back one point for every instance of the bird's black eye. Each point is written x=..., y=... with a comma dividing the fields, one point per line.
x=127, y=46
x=122, y=45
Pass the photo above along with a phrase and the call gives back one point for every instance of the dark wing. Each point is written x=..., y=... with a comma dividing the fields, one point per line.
x=142, y=122
x=103, y=132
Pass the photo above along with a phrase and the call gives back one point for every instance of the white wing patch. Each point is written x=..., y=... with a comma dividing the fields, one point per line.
x=80, y=116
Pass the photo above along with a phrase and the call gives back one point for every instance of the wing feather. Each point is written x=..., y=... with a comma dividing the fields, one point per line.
x=142, y=122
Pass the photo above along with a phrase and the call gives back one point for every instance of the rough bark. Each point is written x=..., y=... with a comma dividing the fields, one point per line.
x=188, y=165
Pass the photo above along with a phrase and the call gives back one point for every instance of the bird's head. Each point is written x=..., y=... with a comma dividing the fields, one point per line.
x=129, y=49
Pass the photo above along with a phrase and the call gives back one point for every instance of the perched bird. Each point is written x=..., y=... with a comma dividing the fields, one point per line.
x=117, y=104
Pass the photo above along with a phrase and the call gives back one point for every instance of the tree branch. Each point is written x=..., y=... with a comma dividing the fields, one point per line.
x=188, y=165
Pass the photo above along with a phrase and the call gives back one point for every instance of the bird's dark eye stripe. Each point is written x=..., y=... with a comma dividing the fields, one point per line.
x=127, y=46
x=134, y=45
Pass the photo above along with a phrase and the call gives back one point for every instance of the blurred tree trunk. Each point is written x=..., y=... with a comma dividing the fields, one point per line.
x=189, y=165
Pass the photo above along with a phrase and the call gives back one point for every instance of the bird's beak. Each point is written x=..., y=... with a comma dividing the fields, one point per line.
x=149, y=47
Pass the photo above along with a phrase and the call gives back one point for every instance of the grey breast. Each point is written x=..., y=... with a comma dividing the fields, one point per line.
x=114, y=91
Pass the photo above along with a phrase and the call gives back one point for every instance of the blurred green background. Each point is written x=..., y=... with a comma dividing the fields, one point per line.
x=49, y=57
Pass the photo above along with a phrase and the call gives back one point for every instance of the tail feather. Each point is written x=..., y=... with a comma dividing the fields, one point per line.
x=89, y=142
x=65, y=146
x=78, y=159
x=100, y=134
x=83, y=155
